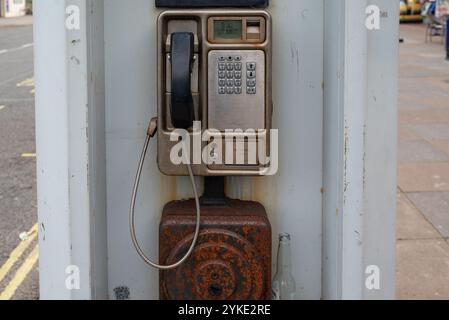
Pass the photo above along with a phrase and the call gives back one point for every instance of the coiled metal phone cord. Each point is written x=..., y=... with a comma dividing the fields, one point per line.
x=151, y=132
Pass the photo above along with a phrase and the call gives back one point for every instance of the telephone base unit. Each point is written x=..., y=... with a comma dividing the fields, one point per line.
x=232, y=260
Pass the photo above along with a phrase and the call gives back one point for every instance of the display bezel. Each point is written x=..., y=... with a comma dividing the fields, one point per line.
x=244, y=38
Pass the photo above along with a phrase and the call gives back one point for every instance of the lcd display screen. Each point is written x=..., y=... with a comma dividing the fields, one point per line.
x=228, y=29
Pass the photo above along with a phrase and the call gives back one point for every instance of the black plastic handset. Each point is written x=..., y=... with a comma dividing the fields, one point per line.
x=182, y=58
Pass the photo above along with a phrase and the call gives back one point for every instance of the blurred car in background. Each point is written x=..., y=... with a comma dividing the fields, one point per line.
x=410, y=10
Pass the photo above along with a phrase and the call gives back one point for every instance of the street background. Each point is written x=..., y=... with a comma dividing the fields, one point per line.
x=18, y=211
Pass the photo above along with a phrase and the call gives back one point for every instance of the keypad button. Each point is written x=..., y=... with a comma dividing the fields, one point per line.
x=238, y=66
x=238, y=82
x=229, y=66
x=238, y=90
x=222, y=90
x=230, y=74
x=222, y=74
x=230, y=58
x=251, y=90
x=251, y=66
x=238, y=75
x=221, y=58
x=251, y=74
x=251, y=82
x=230, y=83
x=238, y=58
x=222, y=82
x=221, y=66
x=230, y=90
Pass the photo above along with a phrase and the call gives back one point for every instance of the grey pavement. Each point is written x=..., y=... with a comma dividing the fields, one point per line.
x=423, y=175
x=17, y=173
x=16, y=22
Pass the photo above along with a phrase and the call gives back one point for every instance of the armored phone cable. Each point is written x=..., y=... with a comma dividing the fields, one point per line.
x=150, y=134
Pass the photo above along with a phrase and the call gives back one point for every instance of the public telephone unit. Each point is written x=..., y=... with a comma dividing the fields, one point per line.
x=215, y=113
x=215, y=70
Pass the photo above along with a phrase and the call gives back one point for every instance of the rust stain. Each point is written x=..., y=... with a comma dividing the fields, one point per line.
x=232, y=260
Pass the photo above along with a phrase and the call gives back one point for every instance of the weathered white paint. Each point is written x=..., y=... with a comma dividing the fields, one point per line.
x=71, y=182
x=84, y=129
x=359, y=127
x=381, y=151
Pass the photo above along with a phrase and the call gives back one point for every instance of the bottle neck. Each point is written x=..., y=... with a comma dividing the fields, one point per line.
x=284, y=257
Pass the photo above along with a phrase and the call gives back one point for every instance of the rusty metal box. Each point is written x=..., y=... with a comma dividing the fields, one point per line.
x=232, y=260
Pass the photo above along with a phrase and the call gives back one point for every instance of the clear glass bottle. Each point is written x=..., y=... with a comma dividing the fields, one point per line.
x=284, y=285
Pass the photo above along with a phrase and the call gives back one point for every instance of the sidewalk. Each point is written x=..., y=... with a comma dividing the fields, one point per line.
x=16, y=22
x=423, y=169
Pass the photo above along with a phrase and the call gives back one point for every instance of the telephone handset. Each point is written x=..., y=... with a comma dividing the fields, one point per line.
x=182, y=59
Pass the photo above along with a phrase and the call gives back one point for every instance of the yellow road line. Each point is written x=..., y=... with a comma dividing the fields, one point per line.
x=28, y=155
x=20, y=275
x=17, y=252
x=26, y=83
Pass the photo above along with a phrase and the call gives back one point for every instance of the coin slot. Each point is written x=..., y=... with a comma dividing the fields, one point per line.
x=253, y=28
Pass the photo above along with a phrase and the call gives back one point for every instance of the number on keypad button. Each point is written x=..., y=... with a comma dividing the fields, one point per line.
x=251, y=74
x=251, y=66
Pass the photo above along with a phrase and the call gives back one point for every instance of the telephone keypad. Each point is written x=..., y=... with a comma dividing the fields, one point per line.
x=230, y=75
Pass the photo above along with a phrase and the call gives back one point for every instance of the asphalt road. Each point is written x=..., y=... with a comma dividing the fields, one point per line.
x=18, y=211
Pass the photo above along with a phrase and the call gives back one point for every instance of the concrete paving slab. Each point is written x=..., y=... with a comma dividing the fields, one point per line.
x=16, y=21
x=410, y=222
x=420, y=151
x=428, y=116
x=423, y=177
x=436, y=102
x=442, y=145
x=410, y=103
x=432, y=131
x=405, y=134
x=435, y=207
x=422, y=269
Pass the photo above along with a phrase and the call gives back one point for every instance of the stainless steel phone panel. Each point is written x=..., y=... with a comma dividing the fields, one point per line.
x=236, y=92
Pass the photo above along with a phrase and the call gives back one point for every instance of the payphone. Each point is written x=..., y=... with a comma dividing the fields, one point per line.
x=214, y=118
